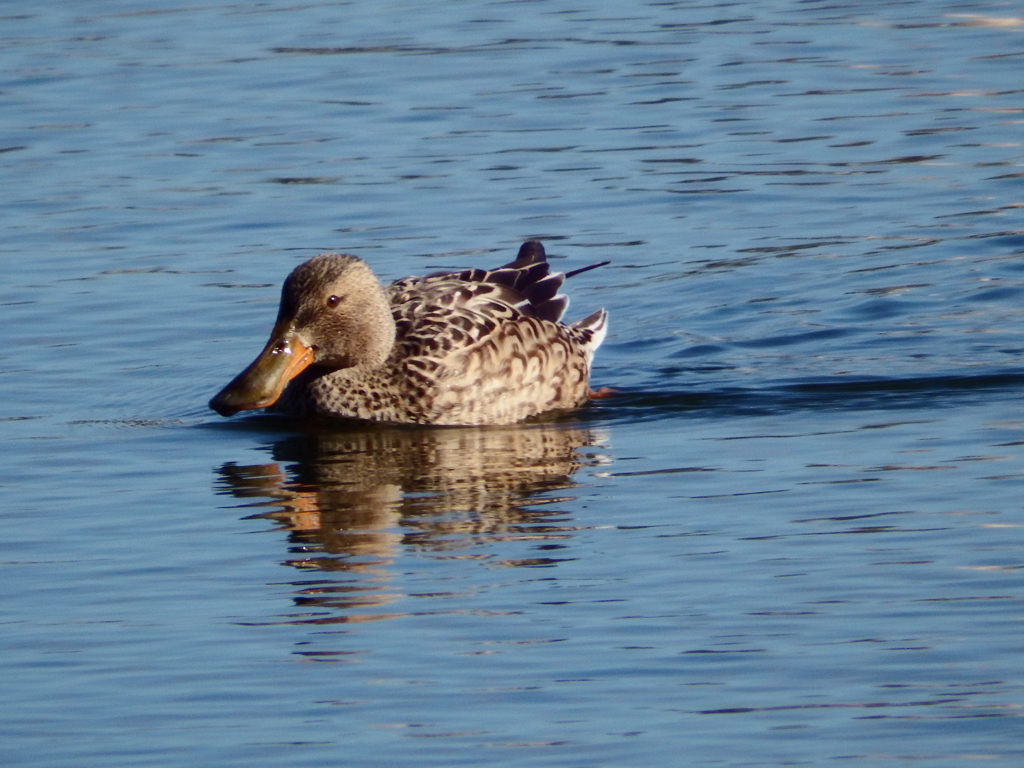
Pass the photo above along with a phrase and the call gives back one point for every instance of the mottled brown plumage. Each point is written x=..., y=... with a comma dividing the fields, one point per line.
x=469, y=347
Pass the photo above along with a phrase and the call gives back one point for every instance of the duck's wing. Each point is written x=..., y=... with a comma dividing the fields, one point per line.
x=527, y=283
x=478, y=359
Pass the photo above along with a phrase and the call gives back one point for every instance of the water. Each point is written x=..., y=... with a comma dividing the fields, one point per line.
x=792, y=538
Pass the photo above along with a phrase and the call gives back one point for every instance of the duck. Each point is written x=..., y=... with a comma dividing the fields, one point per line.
x=471, y=347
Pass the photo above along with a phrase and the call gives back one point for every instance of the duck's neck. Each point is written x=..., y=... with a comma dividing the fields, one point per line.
x=378, y=333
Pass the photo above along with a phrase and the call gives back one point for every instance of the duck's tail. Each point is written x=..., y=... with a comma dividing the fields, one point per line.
x=591, y=331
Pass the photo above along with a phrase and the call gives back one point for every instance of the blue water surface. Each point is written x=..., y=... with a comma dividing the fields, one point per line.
x=792, y=537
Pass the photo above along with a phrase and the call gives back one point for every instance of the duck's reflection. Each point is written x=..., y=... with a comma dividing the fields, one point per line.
x=353, y=501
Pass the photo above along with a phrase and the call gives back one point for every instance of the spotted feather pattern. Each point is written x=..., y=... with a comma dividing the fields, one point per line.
x=471, y=347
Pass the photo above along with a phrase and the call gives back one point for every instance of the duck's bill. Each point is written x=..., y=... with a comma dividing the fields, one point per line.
x=261, y=384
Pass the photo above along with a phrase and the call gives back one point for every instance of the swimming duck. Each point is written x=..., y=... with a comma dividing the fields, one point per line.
x=469, y=347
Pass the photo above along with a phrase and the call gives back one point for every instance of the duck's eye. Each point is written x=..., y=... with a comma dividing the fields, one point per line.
x=333, y=301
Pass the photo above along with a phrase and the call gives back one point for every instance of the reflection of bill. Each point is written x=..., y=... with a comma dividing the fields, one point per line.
x=352, y=501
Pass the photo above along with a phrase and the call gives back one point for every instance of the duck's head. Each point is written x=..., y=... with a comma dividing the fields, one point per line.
x=334, y=314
